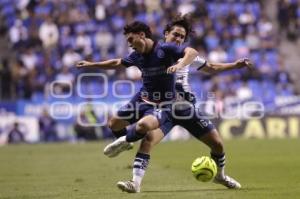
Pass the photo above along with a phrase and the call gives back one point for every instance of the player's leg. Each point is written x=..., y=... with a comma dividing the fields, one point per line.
x=150, y=140
x=144, y=125
x=126, y=115
x=152, y=119
x=214, y=141
x=205, y=131
x=142, y=158
x=134, y=133
x=118, y=126
x=141, y=161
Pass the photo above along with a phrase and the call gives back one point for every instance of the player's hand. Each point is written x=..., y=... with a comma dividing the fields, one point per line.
x=244, y=63
x=83, y=63
x=173, y=69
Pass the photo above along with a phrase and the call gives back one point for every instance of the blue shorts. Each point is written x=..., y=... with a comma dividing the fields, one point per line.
x=136, y=109
x=195, y=123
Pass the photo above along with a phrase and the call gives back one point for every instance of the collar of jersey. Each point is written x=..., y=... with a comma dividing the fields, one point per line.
x=152, y=49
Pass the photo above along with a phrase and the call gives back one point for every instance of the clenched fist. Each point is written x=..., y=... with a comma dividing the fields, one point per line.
x=83, y=63
x=244, y=63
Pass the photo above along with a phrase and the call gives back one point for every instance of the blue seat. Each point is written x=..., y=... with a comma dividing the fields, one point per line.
x=271, y=57
x=238, y=8
x=255, y=57
x=37, y=97
x=5, y=2
x=7, y=10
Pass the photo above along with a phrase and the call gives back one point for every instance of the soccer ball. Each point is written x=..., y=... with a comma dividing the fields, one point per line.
x=204, y=169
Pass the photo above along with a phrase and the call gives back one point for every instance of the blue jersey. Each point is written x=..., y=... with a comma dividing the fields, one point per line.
x=158, y=86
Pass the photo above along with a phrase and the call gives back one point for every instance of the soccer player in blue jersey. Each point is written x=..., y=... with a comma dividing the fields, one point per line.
x=177, y=31
x=150, y=108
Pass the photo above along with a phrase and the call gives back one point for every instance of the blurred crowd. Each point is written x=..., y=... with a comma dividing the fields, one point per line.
x=47, y=38
x=288, y=15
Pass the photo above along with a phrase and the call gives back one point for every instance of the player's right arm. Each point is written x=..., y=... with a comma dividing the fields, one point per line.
x=108, y=64
x=129, y=60
x=185, y=54
x=212, y=68
x=189, y=55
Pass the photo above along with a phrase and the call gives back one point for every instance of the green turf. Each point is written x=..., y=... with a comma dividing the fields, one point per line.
x=265, y=168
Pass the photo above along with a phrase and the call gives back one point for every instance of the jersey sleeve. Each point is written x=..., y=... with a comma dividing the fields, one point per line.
x=130, y=60
x=199, y=63
x=174, y=49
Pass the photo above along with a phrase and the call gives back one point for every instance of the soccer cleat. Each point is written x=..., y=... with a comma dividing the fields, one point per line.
x=115, y=148
x=228, y=182
x=128, y=186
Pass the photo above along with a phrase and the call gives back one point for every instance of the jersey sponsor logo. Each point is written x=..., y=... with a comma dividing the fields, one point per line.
x=160, y=54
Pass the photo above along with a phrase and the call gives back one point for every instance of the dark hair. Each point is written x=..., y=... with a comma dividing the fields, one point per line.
x=183, y=21
x=136, y=27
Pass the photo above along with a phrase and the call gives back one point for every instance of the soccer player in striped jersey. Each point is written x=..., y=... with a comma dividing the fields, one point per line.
x=178, y=31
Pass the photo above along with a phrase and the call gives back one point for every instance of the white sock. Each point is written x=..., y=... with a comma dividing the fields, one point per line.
x=138, y=175
x=220, y=161
x=139, y=167
x=221, y=172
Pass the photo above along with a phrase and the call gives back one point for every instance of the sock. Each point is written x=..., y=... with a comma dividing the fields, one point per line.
x=119, y=133
x=220, y=161
x=140, y=165
x=132, y=135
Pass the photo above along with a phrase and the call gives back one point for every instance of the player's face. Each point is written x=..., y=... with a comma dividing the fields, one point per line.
x=177, y=35
x=137, y=41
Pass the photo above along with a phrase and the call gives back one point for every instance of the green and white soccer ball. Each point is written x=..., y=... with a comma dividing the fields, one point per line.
x=204, y=169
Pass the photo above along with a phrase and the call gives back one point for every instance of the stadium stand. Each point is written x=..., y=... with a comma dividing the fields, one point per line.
x=46, y=39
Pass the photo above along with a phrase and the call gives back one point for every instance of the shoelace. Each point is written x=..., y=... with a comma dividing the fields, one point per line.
x=130, y=185
x=229, y=182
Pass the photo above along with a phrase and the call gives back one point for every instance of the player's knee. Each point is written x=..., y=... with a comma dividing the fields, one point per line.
x=146, y=124
x=142, y=127
x=111, y=124
x=149, y=139
x=114, y=125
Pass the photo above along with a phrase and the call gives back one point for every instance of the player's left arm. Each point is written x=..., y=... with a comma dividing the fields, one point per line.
x=212, y=68
x=189, y=55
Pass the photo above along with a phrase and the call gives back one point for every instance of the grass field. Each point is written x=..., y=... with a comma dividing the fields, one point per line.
x=265, y=168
